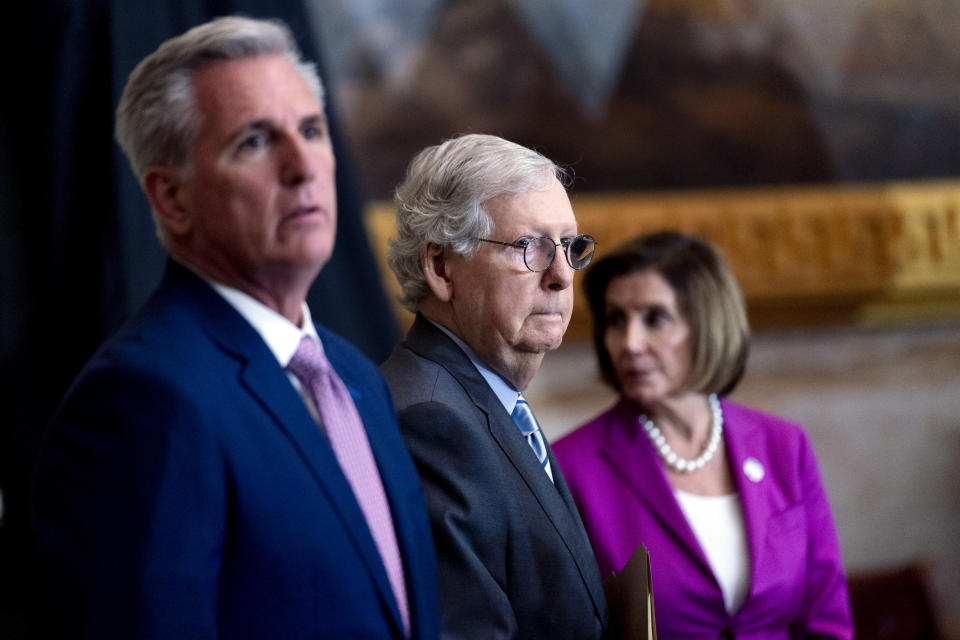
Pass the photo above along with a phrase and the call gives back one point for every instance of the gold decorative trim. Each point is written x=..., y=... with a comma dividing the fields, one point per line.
x=861, y=254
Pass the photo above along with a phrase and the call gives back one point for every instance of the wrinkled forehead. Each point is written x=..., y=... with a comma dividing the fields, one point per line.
x=542, y=211
x=233, y=93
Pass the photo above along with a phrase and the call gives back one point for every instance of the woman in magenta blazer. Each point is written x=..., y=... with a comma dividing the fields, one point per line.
x=727, y=500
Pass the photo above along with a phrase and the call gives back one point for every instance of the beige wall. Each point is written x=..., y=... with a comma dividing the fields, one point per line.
x=882, y=407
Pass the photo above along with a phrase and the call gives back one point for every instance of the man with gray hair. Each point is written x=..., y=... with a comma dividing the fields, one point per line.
x=486, y=247
x=223, y=466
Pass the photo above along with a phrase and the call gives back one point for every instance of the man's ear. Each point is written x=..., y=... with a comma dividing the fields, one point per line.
x=434, y=266
x=164, y=189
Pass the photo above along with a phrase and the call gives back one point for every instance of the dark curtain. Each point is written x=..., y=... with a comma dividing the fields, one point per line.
x=78, y=248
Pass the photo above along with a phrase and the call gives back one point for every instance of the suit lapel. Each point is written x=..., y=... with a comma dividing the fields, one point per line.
x=280, y=400
x=574, y=535
x=553, y=497
x=631, y=454
x=385, y=461
x=743, y=443
x=261, y=376
x=389, y=465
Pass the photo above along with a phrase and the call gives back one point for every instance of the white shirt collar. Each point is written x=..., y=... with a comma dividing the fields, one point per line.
x=282, y=336
x=506, y=394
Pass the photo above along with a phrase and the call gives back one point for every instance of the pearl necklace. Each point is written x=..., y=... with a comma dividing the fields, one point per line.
x=671, y=458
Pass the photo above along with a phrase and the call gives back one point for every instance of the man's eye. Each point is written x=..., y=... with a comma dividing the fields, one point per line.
x=522, y=243
x=312, y=131
x=253, y=142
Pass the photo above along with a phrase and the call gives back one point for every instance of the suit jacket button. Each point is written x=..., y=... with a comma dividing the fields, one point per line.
x=727, y=634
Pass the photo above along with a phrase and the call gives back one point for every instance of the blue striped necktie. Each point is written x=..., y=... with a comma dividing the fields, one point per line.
x=528, y=426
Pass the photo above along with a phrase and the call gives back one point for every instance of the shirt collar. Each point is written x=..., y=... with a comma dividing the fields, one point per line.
x=506, y=394
x=282, y=336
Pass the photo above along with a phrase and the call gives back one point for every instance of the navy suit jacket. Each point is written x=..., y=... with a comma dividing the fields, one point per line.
x=514, y=559
x=184, y=491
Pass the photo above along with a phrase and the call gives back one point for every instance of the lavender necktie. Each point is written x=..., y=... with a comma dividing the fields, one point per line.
x=350, y=445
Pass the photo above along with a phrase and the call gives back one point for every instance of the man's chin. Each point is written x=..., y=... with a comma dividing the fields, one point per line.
x=550, y=326
x=543, y=343
x=312, y=255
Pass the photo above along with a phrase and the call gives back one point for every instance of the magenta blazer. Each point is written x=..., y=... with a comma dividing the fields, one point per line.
x=797, y=589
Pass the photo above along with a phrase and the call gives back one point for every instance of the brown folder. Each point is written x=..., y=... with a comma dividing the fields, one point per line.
x=630, y=597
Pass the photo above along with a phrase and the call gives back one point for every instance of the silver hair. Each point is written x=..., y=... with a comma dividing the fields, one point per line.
x=157, y=118
x=441, y=200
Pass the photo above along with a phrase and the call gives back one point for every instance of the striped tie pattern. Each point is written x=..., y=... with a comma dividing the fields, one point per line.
x=528, y=426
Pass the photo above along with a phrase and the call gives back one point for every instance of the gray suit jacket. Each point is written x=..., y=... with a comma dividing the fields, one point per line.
x=513, y=557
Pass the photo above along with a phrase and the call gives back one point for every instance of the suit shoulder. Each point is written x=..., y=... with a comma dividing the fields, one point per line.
x=773, y=426
x=585, y=439
x=164, y=351
x=434, y=410
x=782, y=445
x=155, y=344
x=414, y=379
x=146, y=367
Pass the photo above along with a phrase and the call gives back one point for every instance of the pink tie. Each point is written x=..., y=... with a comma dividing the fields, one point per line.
x=348, y=438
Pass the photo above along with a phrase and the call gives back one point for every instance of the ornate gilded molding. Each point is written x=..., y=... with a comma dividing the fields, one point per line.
x=861, y=254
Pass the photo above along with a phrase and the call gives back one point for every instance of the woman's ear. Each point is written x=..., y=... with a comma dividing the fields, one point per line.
x=435, y=271
x=165, y=191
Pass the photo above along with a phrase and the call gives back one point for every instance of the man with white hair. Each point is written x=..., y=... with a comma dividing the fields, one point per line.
x=486, y=248
x=222, y=466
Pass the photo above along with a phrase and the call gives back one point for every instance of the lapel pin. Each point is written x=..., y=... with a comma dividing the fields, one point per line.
x=753, y=469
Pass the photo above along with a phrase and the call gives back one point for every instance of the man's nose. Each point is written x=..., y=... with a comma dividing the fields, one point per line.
x=298, y=162
x=559, y=275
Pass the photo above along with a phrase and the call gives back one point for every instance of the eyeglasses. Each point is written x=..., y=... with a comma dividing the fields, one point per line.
x=538, y=253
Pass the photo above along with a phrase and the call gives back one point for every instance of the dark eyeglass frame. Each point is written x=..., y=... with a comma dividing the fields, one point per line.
x=525, y=242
